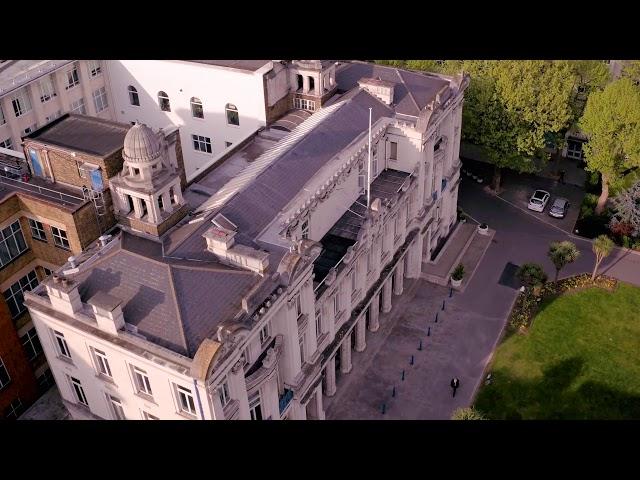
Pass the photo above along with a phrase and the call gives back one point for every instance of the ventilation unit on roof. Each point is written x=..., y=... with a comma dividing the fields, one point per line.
x=221, y=221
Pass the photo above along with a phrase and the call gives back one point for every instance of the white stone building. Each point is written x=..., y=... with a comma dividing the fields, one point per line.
x=249, y=308
x=35, y=92
x=217, y=104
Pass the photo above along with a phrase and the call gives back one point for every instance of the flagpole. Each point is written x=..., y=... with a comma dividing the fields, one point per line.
x=369, y=165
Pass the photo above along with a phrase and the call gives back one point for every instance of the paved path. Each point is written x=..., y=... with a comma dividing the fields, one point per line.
x=467, y=332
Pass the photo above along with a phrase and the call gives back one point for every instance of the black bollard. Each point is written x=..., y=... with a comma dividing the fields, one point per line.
x=428, y=331
x=420, y=346
x=403, y=375
x=393, y=393
x=451, y=292
x=442, y=304
x=411, y=362
x=436, y=317
x=384, y=408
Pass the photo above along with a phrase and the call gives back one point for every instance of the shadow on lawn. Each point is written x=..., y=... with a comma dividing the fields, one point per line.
x=553, y=398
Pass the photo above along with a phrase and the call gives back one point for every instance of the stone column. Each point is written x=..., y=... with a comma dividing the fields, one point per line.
x=399, y=278
x=166, y=202
x=345, y=354
x=305, y=84
x=319, y=406
x=330, y=377
x=137, y=207
x=374, y=313
x=386, y=296
x=361, y=341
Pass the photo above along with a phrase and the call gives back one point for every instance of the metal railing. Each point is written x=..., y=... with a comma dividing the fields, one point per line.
x=285, y=400
x=45, y=192
x=335, y=267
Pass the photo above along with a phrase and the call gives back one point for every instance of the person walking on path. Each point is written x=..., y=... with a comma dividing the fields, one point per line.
x=455, y=383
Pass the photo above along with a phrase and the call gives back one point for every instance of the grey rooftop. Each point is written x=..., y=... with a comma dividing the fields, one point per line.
x=81, y=133
x=248, y=65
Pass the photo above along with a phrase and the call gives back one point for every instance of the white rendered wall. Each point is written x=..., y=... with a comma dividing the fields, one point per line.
x=182, y=80
x=164, y=404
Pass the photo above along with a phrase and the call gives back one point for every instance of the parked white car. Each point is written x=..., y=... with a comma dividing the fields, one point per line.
x=538, y=200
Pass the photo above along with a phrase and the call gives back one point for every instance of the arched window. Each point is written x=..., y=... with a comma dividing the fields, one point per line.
x=232, y=114
x=133, y=96
x=163, y=100
x=196, y=108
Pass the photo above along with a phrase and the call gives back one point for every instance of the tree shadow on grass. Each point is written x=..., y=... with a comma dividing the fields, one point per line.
x=554, y=397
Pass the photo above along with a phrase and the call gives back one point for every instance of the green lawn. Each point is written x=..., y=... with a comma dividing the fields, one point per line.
x=580, y=360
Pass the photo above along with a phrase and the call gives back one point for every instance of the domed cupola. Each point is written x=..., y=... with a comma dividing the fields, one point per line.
x=141, y=145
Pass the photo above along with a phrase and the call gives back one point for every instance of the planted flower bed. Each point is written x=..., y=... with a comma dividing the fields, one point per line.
x=527, y=303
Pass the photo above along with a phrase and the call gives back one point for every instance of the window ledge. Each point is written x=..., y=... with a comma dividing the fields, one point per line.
x=187, y=415
x=66, y=360
x=146, y=398
x=43, y=240
x=106, y=379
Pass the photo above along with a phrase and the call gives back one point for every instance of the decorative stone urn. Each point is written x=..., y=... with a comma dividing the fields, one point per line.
x=483, y=229
x=456, y=283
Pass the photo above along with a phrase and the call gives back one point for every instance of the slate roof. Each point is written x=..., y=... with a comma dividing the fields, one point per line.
x=173, y=304
x=81, y=133
x=412, y=92
x=253, y=208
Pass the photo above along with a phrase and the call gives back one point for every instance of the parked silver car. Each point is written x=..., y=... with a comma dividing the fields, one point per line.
x=538, y=200
x=559, y=208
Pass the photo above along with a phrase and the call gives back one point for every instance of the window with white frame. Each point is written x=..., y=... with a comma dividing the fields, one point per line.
x=102, y=363
x=100, y=99
x=134, y=99
x=73, y=78
x=304, y=104
x=31, y=344
x=117, y=409
x=14, y=295
x=15, y=408
x=393, y=151
x=148, y=416
x=264, y=334
x=302, y=349
x=223, y=392
x=60, y=238
x=232, y=114
x=4, y=375
x=163, y=101
x=196, y=108
x=201, y=144
x=21, y=103
x=77, y=106
x=61, y=345
x=95, y=67
x=319, y=323
x=186, y=403
x=8, y=143
x=297, y=301
x=78, y=391
x=47, y=90
x=141, y=380
x=2, y=119
x=255, y=408
x=12, y=243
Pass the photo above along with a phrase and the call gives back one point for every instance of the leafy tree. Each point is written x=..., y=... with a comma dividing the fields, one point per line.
x=602, y=247
x=467, y=414
x=561, y=254
x=424, y=65
x=392, y=63
x=510, y=105
x=626, y=207
x=631, y=70
x=611, y=121
x=531, y=274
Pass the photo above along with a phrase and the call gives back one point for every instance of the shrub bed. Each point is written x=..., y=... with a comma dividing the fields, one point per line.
x=528, y=302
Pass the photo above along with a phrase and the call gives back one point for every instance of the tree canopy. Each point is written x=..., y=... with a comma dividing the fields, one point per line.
x=611, y=121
